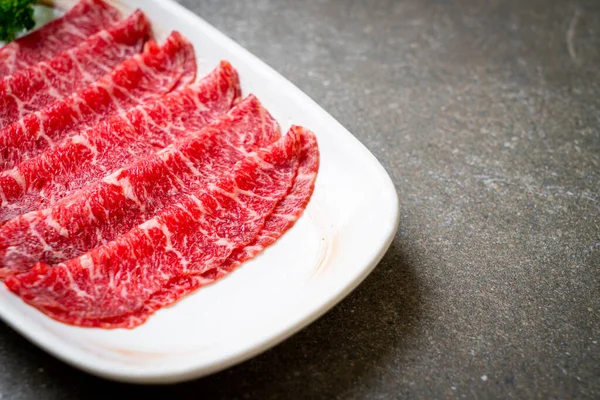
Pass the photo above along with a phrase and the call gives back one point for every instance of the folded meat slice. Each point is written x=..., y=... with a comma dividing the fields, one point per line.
x=27, y=91
x=84, y=19
x=186, y=238
x=112, y=206
x=289, y=209
x=115, y=142
x=158, y=70
x=283, y=217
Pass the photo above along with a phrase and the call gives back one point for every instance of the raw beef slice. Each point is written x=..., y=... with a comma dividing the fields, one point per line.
x=84, y=19
x=186, y=238
x=108, y=208
x=115, y=142
x=158, y=70
x=27, y=91
x=283, y=217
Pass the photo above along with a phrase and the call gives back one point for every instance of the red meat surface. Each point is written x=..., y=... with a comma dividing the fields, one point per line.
x=27, y=91
x=115, y=142
x=158, y=70
x=187, y=238
x=283, y=217
x=112, y=206
x=84, y=19
x=123, y=185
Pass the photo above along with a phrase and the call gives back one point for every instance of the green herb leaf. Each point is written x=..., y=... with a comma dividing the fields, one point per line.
x=15, y=16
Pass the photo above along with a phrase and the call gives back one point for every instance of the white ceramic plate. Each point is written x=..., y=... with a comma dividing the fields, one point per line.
x=344, y=232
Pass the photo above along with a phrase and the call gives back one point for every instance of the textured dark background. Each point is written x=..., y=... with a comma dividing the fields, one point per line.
x=486, y=114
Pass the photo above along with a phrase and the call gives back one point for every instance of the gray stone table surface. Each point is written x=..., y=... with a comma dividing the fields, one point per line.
x=486, y=115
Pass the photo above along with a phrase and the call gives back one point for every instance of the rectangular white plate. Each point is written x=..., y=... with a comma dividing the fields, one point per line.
x=347, y=227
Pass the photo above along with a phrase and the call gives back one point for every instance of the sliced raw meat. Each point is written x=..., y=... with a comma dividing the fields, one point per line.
x=84, y=19
x=108, y=208
x=115, y=142
x=283, y=217
x=158, y=70
x=27, y=91
x=290, y=208
x=186, y=238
